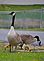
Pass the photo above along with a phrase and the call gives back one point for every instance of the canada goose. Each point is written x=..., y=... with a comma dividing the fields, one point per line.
x=29, y=39
x=13, y=37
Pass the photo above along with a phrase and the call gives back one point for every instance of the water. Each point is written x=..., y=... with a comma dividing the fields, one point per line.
x=4, y=32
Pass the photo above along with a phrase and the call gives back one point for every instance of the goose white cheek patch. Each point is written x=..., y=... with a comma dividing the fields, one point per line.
x=13, y=14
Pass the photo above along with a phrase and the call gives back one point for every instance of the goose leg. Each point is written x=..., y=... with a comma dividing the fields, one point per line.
x=10, y=48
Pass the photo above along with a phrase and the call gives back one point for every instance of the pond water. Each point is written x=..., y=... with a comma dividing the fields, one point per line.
x=4, y=32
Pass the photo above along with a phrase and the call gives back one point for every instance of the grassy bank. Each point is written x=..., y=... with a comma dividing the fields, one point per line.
x=5, y=55
x=21, y=56
x=29, y=29
x=6, y=7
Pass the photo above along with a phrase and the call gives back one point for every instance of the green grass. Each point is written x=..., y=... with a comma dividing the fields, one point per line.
x=27, y=29
x=22, y=56
x=5, y=7
x=5, y=55
x=30, y=29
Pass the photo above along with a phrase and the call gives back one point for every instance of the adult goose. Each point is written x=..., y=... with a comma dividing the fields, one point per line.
x=13, y=37
x=29, y=39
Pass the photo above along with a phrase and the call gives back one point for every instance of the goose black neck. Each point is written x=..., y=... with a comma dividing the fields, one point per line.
x=38, y=39
x=13, y=18
x=40, y=43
